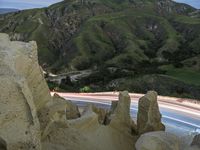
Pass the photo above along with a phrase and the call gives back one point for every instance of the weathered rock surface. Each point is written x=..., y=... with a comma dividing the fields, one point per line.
x=88, y=120
x=192, y=148
x=20, y=60
x=157, y=141
x=70, y=134
x=196, y=141
x=87, y=132
x=19, y=124
x=121, y=116
x=59, y=110
x=121, y=109
x=65, y=108
x=30, y=119
x=102, y=114
x=109, y=115
x=3, y=145
x=149, y=117
x=113, y=106
x=24, y=61
x=62, y=137
x=103, y=135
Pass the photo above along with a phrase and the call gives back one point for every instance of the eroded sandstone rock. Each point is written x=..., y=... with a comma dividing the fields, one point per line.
x=59, y=110
x=25, y=64
x=3, y=144
x=31, y=120
x=149, y=117
x=113, y=106
x=120, y=118
x=196, y=141
x=88, y=119
x=102, y=114
x=158, y=141
x=20, y=127
x=62, y=137
x=65, y=108
x=192, y=148
x=109, y=115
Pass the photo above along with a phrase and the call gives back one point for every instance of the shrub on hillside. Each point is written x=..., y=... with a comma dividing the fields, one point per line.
x=85, y=89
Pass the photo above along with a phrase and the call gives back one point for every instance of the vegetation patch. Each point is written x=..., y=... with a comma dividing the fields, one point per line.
x=183, y=74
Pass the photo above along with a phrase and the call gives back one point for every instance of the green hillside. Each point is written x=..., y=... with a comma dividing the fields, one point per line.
x=121, y=41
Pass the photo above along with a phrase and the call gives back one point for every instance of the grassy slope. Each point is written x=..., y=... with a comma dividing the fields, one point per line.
x=123, y=26
x=119, y=35
x=33, y=25
x=183, y=74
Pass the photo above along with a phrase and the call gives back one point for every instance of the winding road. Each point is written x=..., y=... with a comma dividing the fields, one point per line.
x=181, y=115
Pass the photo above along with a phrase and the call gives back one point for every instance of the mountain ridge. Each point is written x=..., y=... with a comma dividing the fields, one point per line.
x=104, y=34
x=7, y=10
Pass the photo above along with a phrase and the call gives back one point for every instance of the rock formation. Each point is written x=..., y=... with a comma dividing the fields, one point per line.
x=86, y=133
x=110, y=113
x=30, y=119
x=196, y=141
x=113, y=106
x=20, y=77
x=157, y=141
x=192, y=148
x=149, y=117
x=3, y=145
x=102, y=114
x=62, y=137
x=65, y=108
x=20, y=60
x=121, y=115
x=88, y=119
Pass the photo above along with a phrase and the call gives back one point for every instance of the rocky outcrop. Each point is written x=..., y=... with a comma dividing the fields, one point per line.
x=65, y=108
x=71, y=134
x=25, y=64
x=168, y=6
x=109, y=115
x=192, y=148
x=28, y=112
x=42, y=122
x=113, y=106
x=91, y=130
x=102, y=114
x=118, y=110
x=19, y=124
x=149, y=117
x=157, y=141
x=3, y=145
x=61, y=137
x=196, y=141
x=20, y=62
x=58, y=110
x=120, y=118
x=88, y=119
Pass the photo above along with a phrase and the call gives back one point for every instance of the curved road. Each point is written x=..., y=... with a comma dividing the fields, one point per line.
x=179, y=115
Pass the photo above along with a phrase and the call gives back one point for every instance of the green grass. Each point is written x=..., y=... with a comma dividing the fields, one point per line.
x=117, y=35
x=183, y=74
x=95, y=43
x=187, y=20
